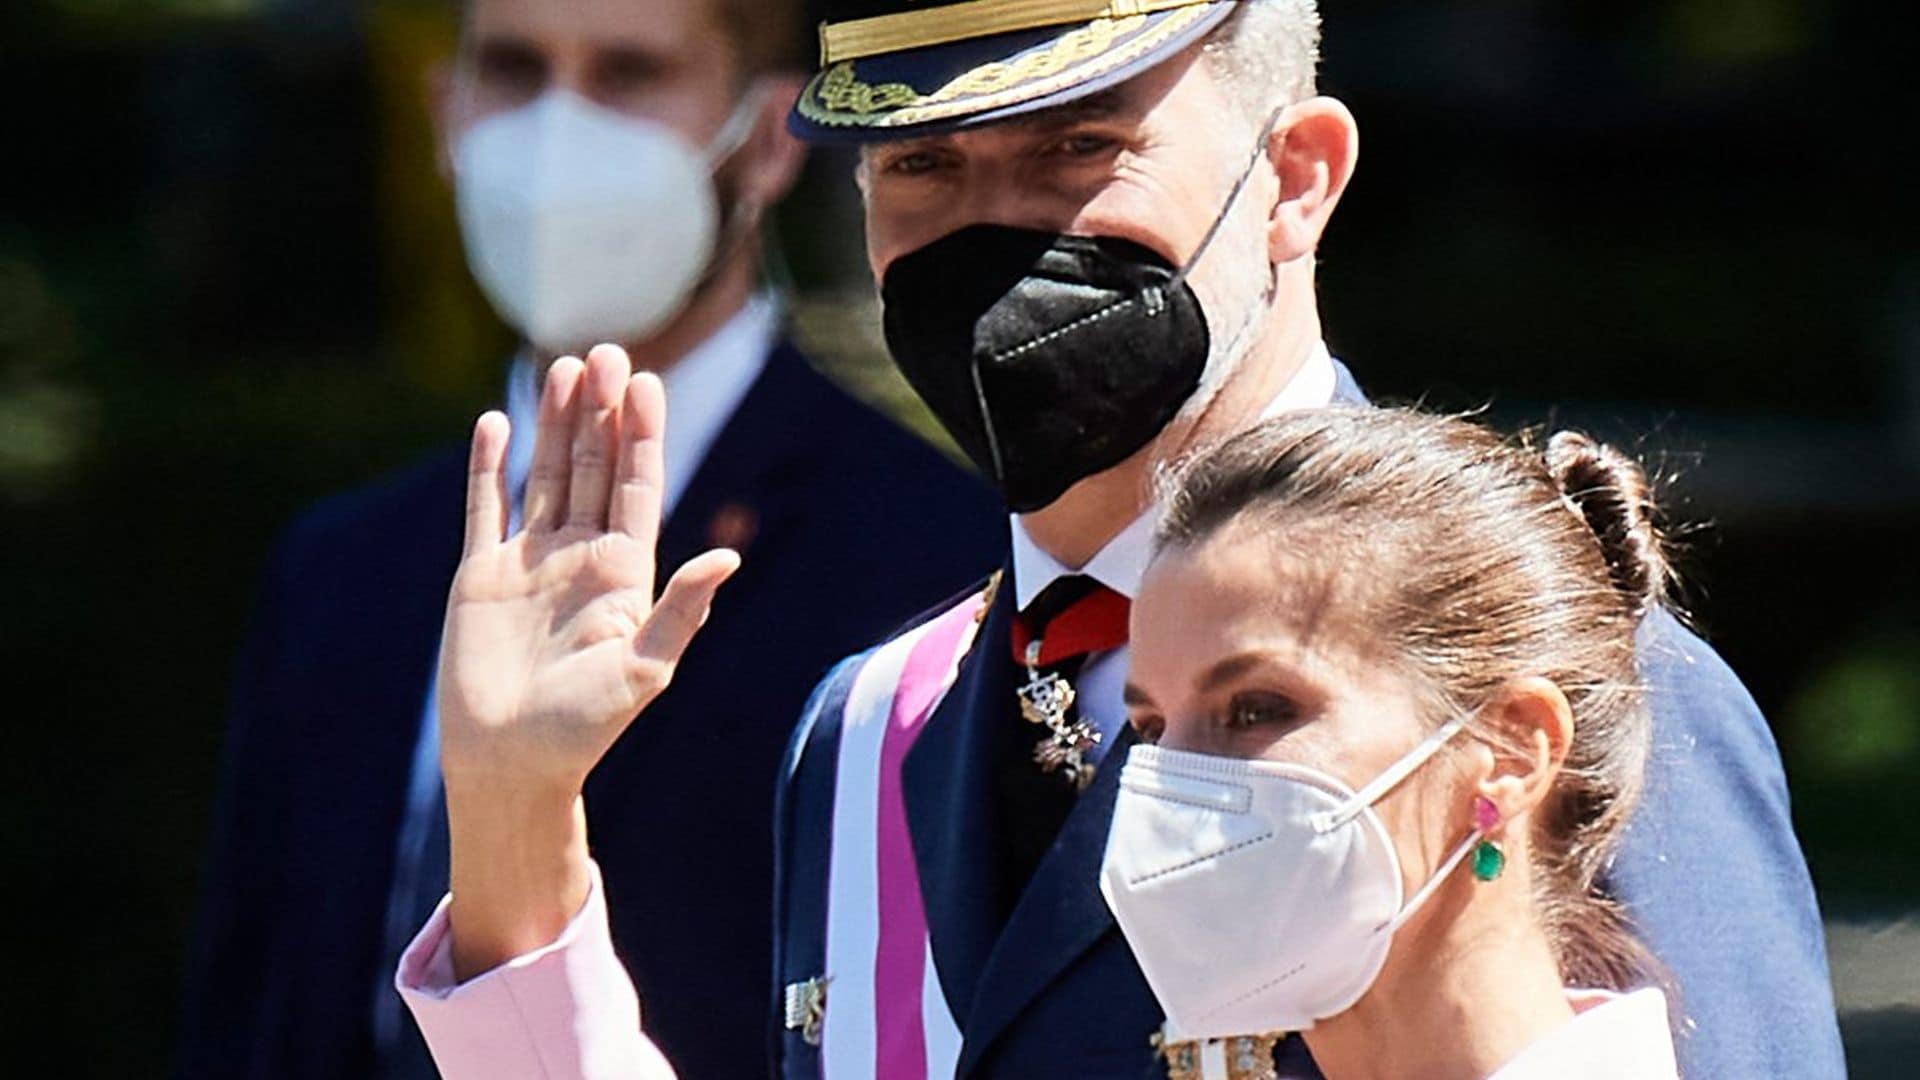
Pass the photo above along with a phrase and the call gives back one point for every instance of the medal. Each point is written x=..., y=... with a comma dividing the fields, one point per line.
x=1045, y=700
x=805, y=1007
x=1243, y=1057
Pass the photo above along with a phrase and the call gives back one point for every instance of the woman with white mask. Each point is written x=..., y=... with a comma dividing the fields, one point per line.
x=1383, y=664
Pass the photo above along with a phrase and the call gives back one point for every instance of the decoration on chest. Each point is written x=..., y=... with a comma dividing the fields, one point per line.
x=805, y=1007
x=1046, y=699
x=1243, y=1057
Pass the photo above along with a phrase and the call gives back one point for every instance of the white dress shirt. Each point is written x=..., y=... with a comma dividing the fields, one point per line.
x=1121, y=563
x=1611, y=1037
x=703, y=390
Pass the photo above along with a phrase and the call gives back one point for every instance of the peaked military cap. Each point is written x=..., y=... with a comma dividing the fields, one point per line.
x=893, y=69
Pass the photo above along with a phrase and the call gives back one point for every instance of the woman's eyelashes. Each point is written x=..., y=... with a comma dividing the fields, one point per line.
x=1260, y=709
x=1148, y=726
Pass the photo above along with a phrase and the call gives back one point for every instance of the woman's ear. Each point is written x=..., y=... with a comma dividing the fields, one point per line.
x=1312, y=150
x=1536, y=725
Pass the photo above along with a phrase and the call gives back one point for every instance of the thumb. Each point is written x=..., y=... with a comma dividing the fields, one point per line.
x=683, y=607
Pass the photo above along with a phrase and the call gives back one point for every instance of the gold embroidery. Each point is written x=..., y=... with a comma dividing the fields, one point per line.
x=1074, y=57
x=898, y=31
x=1071, y=48
x=842, y=92
x=987, y=595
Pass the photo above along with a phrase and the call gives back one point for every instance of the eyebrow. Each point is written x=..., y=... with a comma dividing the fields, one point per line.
x=1104, y=105
x=1215, y=677
x=1229, y=670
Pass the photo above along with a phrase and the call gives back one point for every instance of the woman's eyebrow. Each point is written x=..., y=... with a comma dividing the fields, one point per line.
x=1229, y=670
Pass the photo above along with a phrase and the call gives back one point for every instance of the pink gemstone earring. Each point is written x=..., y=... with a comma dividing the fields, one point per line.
x=1488, y=859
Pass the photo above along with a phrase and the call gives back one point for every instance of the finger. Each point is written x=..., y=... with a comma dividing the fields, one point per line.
x=547, y=479
x=487, y=483
x=683, y=607
x=596, y=425
x=640, y=479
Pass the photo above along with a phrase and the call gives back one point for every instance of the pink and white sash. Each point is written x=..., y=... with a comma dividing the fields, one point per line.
x=887, y=1016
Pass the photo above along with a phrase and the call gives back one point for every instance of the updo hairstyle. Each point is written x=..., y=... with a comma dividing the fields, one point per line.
x=1469, y=561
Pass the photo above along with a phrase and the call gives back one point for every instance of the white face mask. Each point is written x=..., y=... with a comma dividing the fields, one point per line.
x=1257, y=896
x=585, y=225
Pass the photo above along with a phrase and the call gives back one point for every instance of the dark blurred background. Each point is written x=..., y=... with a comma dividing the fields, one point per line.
x=230, y=282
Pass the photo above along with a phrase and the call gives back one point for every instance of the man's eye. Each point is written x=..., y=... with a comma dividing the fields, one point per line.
x=1083, y=145
x=914, y=164
x=623, y=74
x=512, y=72
x=1261, y=710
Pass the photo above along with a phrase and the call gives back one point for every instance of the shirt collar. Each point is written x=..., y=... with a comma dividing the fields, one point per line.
x=1610, y=1035
x=1121, y=563
x=703, y=390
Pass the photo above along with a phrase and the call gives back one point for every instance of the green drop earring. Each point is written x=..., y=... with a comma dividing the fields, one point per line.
x=1488, y=859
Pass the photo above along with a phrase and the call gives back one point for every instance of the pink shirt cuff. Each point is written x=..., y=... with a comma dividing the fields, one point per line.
x=565, y=1010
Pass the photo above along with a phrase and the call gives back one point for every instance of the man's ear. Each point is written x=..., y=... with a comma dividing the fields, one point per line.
x=1312, y=150
x=436, y=85
x=1535, y=725
x=771, y=157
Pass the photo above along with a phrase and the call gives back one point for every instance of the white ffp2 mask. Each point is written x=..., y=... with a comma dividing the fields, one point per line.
x=583, y=224
x=1257, y=896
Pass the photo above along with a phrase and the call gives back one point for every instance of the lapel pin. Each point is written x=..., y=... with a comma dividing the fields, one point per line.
x=733, y=526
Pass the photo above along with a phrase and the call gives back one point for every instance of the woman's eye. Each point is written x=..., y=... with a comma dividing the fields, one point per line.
x=1147, y=727
x=1261, y=710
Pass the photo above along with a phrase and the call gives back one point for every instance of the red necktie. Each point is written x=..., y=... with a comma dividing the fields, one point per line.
x=1073, y=616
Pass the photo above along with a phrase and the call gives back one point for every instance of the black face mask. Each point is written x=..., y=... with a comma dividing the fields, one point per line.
x=1048, y=358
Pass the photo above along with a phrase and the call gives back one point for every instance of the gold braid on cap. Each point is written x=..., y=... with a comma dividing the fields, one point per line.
x=840, y=98
x=902, y=30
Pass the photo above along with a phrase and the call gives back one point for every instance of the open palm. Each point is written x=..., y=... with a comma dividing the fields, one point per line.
x=554, y=640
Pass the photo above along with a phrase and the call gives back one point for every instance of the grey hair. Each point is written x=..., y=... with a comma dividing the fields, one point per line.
x=1267, y=52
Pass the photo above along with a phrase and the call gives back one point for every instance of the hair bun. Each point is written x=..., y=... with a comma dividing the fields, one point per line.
x=1614, y=497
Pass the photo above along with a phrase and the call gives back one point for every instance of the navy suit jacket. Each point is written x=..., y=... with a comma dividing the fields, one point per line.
x=854, y=524
x=1709, y=867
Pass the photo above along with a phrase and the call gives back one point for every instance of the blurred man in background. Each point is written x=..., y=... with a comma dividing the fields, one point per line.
x=611, y=161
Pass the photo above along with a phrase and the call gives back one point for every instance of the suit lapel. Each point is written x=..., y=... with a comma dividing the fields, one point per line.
x=743, y=492
x=952, y=813
x=1060, y=915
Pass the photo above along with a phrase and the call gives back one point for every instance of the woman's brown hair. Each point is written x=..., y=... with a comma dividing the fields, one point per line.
x=1477, y=560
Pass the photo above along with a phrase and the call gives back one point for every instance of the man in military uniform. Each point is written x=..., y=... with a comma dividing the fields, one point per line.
x=1093, y=225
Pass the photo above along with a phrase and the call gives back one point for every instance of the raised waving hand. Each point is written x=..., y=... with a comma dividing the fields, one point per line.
x=553, y=643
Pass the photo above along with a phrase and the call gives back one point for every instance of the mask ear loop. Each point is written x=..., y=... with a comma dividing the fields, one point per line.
x=1226, y=208
x=734, y=132
x=986, y=420
x=726, y=142
x=1433, y=883
x=1328, y=820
